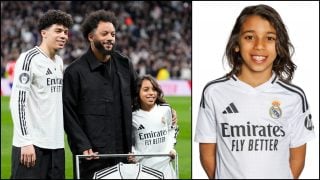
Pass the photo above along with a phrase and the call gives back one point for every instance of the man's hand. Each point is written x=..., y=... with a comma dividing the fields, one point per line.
x=28, y=156
x=93, y=155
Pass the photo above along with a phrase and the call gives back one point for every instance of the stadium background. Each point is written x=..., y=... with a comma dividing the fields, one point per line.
x=155, y=35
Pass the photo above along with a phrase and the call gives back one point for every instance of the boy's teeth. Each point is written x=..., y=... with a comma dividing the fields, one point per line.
x=259, y=58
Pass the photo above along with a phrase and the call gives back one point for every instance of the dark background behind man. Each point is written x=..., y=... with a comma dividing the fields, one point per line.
x=151, y=33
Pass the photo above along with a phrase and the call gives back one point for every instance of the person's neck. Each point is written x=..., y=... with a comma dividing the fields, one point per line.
x=49, y=52
x=254, y=79
x=101, y=57
x=146, y=107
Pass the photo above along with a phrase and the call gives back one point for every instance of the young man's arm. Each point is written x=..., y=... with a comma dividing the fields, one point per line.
x=20, y=111
x=208, y=158
x=297, y=159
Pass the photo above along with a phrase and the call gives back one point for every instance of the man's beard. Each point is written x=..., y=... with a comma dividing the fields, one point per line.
x=99, y=46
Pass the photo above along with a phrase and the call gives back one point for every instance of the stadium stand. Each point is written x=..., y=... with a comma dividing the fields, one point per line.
x=152, y=34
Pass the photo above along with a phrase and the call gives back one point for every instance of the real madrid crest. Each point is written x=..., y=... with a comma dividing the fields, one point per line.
x=275, y=110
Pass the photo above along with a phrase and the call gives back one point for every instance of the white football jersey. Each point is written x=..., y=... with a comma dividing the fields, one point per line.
x=36, y=100
x=128, y=171
x=154, y=134
x=254, y=128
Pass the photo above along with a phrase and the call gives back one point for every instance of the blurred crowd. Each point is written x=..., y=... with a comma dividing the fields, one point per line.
x=156, y=36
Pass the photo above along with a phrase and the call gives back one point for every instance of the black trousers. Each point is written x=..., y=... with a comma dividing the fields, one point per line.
x=49, y=164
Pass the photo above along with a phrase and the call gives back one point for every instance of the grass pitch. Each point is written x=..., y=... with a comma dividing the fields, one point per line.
x=181, y=104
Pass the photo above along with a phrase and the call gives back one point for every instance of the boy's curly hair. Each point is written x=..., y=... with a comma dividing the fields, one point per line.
x=55, y=17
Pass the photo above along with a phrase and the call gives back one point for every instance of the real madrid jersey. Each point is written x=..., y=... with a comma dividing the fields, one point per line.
x=36, y=100
x=254, y=128
x=128, y=171
x=154, y=134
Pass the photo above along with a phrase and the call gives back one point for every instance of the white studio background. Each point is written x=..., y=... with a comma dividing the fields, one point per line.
x=212, y=23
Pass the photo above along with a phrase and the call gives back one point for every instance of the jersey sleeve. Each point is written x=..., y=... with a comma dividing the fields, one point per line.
x=302, y=129
x=206, y=123
x=172, y=129
x=21, y=87
x=134, y=132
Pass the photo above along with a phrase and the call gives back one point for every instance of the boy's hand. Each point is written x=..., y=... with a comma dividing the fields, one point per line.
x=28, y=156
x=173, y=154
x=174, y=118
x=132, y=158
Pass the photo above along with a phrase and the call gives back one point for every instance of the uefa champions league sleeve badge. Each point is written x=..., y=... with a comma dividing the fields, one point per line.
x=24, y=78
x=275, y=110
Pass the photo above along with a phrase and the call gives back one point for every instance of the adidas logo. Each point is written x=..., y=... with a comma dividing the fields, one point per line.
x=48, y=72
x=141, y=127
x=230, y=109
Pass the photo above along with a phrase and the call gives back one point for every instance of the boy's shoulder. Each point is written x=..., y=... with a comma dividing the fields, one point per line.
x=164, y=106
x=290, y=88
x=27, y=57
x=31, y=52
x=294, y=92
x=217, y=82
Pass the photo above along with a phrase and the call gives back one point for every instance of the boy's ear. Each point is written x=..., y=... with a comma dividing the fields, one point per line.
x=43, y=33
x=237, y=49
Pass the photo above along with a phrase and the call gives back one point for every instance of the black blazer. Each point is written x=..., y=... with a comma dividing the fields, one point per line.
x=84, y=102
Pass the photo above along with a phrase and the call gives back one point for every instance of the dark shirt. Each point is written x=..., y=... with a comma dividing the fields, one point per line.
x=97, y=104
x=113, y=108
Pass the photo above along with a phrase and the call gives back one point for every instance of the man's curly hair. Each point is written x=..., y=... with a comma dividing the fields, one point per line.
x=55, y=17
x=92, y=20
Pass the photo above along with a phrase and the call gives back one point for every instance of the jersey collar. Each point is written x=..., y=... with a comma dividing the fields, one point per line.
x=237, y=82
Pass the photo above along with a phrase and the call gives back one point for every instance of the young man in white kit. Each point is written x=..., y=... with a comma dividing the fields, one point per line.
x=36, y=103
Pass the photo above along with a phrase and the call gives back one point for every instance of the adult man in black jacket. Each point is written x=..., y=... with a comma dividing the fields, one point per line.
x=97, y=91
